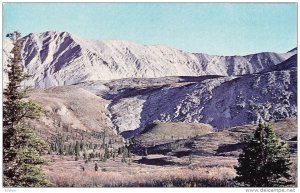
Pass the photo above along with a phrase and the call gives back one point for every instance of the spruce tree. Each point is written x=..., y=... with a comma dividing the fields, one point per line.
x=265, y=160
x=77, y=151
x=106, y=153
x=26, y=172
x=120, y=150
x=70, y=149
x=21, y=147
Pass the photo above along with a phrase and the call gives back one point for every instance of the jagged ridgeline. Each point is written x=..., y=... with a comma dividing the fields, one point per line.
x=60, y=58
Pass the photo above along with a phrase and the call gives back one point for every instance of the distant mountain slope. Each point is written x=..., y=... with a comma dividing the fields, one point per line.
x=59, y=58
x=129, y=106
x=285, y=65
x=222, y=102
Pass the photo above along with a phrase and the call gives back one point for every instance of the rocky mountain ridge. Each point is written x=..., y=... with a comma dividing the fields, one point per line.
x=60, y=58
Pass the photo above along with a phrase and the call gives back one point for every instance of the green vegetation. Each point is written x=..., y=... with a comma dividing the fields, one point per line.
x=77, y=143
x=21, y=147
x=265, y=160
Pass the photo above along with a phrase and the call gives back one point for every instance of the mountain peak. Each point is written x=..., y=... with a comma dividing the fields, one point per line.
x=49, y=34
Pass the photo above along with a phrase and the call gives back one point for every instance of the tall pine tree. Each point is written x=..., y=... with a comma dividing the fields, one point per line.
x=21, y=147
x=77, y=151
x=265, y=160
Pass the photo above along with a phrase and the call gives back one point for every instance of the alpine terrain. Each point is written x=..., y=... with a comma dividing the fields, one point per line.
x=166, y=107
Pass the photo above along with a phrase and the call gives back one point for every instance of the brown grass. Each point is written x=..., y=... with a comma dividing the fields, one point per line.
x=202, y=172
x=201, y=177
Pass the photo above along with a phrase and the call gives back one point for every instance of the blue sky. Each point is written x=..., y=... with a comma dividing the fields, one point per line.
x=222, y=28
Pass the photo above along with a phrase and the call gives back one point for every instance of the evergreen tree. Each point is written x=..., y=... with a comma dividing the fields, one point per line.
x=61, y=149
x=106, y=153
x=129, y=153
x=92, y=155
x=81, y=145
x=265, y=160
x=26, y=171
x=120, y=150
x=21, y=147
x=70, y=149
x=77, y=149
x=51, y=147
x=50, y=150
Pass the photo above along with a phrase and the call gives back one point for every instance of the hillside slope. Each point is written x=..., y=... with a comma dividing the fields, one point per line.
x=73, y=112
x=228, y=142
x=158, y=132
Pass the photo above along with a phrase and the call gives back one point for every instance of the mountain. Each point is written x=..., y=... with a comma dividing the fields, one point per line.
x=285, y=65
x=221, y=102
x=60, y=58
x=126, y=87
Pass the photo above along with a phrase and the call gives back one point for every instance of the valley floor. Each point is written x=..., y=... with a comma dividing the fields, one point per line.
x=150, y=171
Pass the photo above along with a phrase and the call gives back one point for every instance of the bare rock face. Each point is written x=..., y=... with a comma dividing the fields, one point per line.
x=222, y=102
x=59, y=58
